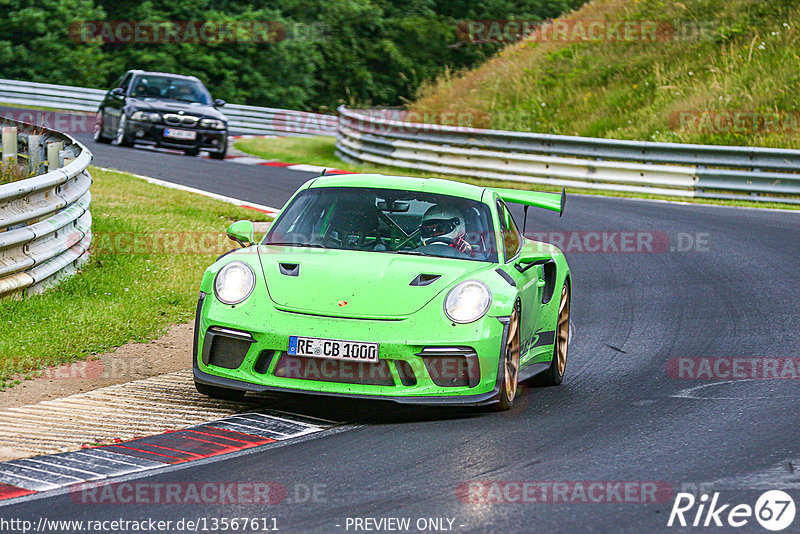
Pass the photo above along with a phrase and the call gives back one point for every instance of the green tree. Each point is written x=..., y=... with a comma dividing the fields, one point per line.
x=361, y=52
x=35, y=43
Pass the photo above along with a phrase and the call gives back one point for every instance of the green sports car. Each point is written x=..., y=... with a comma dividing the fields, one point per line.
x=413, y=290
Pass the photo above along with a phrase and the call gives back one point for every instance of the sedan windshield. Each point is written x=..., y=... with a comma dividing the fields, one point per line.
x=387, y=221
x=169, y=88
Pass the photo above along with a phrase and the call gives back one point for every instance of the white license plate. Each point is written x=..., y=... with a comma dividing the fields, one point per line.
x=336, y=349
x=180, y=134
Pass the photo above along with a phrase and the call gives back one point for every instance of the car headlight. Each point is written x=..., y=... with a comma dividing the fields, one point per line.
x=467, y=302
x=147, y=116
x=216, y=124
x=234, y=283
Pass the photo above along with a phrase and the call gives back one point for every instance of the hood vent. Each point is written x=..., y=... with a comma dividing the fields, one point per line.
x=424, y=279
x=290, y=269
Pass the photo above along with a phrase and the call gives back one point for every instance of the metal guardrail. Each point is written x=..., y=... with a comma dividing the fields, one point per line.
x=45, y=223
x=684, y=170
x=241, y=119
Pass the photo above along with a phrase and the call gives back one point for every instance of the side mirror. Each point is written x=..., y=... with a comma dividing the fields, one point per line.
x=218, y=103
x=530, y=259
x=118, y=92
x=242, y=233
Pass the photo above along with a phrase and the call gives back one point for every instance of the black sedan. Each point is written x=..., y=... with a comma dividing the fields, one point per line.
x=165, y=110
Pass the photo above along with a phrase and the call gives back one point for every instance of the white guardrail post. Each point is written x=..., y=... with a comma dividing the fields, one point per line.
x=45, y=224
x=682, y=170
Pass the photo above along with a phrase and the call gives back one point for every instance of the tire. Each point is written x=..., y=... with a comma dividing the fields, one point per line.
x=122, y=138
x=555, y=373
x=97, y=134
x=510, y=364
x=216, y=392
x=191, y=151
x=217, y=155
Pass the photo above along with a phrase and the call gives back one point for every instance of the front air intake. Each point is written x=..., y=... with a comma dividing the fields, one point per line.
x=452, y=366
x=225, y=348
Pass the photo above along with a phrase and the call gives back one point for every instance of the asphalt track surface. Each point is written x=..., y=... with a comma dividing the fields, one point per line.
x=618, y=416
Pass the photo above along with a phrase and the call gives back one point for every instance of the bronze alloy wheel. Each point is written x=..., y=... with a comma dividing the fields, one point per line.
x=555, y=372
x=562, y=331
x=510, y=362
x=512, y=357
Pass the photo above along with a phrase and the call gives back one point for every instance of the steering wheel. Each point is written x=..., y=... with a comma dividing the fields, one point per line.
x=440, y=239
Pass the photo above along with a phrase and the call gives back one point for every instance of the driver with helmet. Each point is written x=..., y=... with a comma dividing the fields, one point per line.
x=445, y=224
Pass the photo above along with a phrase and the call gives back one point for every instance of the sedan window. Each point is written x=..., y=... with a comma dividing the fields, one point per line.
x=170, y=88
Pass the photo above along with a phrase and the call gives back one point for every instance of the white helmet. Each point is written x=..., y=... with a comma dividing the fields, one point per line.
x=442, y=221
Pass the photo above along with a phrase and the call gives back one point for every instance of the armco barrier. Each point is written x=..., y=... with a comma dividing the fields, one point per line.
x=45, y=224
x=241, y=119
x=705, y=171
x=683, y=170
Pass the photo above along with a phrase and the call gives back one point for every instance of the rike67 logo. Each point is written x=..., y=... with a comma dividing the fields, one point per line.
x=774, y=510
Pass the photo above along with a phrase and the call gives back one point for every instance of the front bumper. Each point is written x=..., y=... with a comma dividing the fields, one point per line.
x=482, y=399
x=400, y=349
x=153, y=133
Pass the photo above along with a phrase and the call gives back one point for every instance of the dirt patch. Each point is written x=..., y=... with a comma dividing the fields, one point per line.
x=171, y=352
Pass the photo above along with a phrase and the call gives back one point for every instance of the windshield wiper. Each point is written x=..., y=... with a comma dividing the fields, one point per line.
x=412, y=252
x=308, y=245
x=176, y=99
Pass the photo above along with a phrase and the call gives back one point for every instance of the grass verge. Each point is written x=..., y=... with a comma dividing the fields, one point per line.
x=321, y=151
x=150, y=248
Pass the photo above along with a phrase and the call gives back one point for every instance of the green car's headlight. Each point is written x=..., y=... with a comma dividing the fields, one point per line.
x=234, y=283
x=467, y=302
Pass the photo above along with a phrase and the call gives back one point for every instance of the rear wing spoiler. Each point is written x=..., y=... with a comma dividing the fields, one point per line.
x=548, y=201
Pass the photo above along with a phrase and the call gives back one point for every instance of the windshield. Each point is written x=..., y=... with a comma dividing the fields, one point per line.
x=387, y=221
x=168, y=88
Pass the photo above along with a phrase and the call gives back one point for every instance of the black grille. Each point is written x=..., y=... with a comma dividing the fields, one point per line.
x=407, y=376
x=173, y=119
x=452, y=366
x=330, y=370
x=225, y=348
x=263, y=361
x=228, y=352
